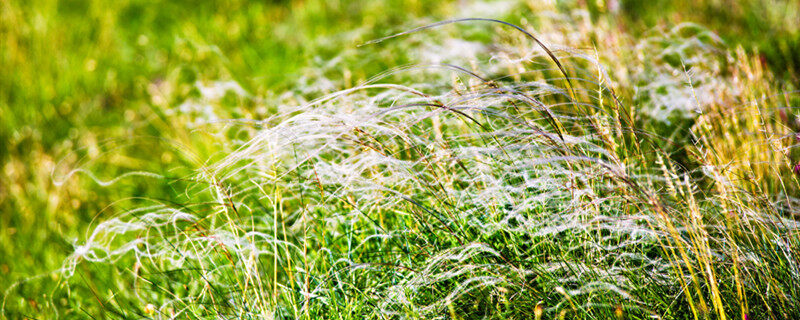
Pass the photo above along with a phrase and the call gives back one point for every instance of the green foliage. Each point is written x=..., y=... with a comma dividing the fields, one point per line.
x=114, y=132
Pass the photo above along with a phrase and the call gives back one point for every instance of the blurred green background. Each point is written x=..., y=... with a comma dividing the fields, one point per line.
x=76, y=73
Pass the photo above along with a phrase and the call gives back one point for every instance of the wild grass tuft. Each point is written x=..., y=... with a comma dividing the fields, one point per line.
x=532, y=180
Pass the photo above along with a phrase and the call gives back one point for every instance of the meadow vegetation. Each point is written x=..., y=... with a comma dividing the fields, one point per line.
x=387, y=160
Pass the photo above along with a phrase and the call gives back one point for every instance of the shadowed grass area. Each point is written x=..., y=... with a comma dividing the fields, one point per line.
x=470, y=181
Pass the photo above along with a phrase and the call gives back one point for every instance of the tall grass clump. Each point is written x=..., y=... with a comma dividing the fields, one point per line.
x=527, y=181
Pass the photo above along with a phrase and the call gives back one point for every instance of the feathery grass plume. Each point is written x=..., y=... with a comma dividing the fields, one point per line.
x=491, y=195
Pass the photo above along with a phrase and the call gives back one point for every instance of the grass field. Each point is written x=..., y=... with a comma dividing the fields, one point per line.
x=568, y=160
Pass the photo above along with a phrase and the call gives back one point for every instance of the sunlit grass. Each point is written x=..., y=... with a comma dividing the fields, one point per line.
x=476, y=183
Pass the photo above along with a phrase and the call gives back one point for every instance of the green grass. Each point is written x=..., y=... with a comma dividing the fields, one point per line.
x=77, y=73
x=464, y=203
